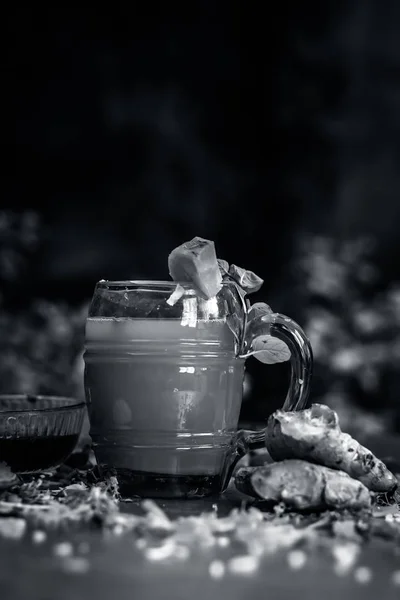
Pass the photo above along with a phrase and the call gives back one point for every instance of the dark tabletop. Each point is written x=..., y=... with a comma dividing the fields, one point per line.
x=116, y=569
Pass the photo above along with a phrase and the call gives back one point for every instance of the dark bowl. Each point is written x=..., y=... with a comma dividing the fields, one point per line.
x=38, y=432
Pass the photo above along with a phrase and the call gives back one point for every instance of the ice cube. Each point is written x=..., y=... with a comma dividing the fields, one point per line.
x=196, y=262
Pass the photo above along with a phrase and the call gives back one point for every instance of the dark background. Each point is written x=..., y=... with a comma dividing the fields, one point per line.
x=276, y=135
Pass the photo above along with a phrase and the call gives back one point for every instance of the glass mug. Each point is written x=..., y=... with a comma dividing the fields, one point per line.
x=164, y=383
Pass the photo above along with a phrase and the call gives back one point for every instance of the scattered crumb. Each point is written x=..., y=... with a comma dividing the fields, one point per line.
x=156, y=516
x=279, y=509
x=393, y=518
x=140, y=543
x=12, y=528
x=155, y=553
x=223, y=541
x=120, y=523
x=296, y=559
x=75, y=487
x=206, y=540
x=216, y=569
x=223, y=525
x=39, y=536
x=346, y=529
x=63, y=549
x=345, y=556
x=363, y=575
x=118, y=529
x=243, y=565
x=396, y=578
x=75, y=564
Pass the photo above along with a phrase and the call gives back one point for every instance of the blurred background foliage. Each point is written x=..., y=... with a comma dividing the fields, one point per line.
x=137, y=129
x=41, y=341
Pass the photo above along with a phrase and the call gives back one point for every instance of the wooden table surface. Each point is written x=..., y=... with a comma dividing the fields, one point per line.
x=118, y=571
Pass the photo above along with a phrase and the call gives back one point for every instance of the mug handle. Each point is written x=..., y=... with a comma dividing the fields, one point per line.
x=301, y=360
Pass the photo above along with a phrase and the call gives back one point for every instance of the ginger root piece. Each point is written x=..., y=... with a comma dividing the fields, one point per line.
x=196, y=262
x=314, y=435
x=303, y=486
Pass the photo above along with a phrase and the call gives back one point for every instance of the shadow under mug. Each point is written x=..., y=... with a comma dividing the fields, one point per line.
x=164, y=381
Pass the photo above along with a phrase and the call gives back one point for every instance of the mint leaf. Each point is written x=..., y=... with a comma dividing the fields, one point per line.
x=269, y=350
x=248, y=281
x=259, y=309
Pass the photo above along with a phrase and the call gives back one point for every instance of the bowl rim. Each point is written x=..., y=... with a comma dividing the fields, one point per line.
x=76, y=404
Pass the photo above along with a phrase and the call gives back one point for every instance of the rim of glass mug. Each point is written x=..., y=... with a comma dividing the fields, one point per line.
x=157, y=283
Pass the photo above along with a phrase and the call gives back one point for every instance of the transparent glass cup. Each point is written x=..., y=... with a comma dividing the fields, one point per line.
x=164, y=381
